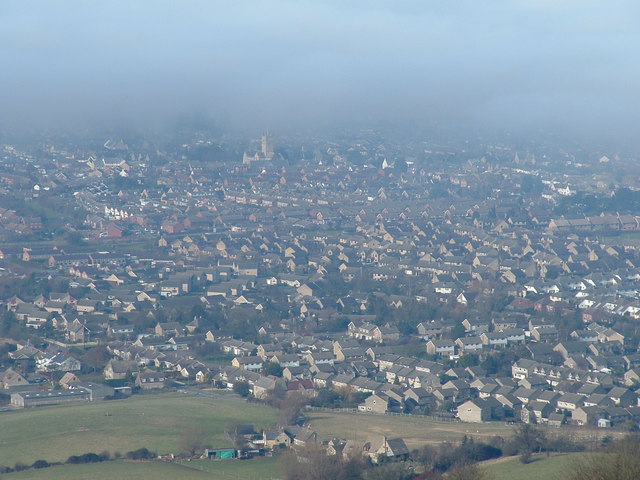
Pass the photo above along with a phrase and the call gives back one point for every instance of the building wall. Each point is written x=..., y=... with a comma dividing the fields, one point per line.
x=471, y=413
x=27, y=401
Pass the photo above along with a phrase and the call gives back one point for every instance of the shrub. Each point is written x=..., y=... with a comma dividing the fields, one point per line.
x=86, y=458
x=478, y=452
x=40, y=464
x=140, y=454
x=90, y=458
x=242, y=388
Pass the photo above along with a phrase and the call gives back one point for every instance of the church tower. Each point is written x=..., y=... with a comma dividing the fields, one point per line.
x=267, y=146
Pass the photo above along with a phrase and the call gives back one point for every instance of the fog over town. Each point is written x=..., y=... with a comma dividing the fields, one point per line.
x=524, y=67
x=320, y=240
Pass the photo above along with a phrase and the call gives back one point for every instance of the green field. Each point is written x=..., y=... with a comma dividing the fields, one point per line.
x=156, y=422
x=264, y=468
x=257, y=469
x=119, y=470
x=549, y=468
x=415, y=431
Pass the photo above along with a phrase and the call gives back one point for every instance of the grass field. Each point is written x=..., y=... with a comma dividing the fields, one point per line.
x=256, y=469
x=156, y=422
x=119, y=470
x=415, y=431
x=264, y=468
x=549, y=468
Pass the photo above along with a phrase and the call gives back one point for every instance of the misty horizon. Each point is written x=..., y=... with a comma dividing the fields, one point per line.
x=527, y=68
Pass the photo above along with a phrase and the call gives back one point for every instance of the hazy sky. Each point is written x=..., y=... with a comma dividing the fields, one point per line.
x=566, y=66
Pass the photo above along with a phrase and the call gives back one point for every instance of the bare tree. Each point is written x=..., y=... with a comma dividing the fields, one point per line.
x=390, y=471
x=96, y=357
x=621, y=462
x=426, y=457
x=290, y=408
x=313, y=463
x=232, y=431
x=193, y=439
x=529, y=439
x=465, y=471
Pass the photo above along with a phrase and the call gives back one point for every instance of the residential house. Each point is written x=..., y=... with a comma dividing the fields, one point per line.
x=119, y=369
x=252, y=363
x=10, y=378
x=376, y=403
x=380, y=447
x=476, y=410
x=150, y=379
x=570, y=401
x=57, y=362
x=441, y=347
x=274, y=438
x=467, y=345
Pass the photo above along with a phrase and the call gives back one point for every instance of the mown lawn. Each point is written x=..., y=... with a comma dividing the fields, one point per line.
x=156, y=422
